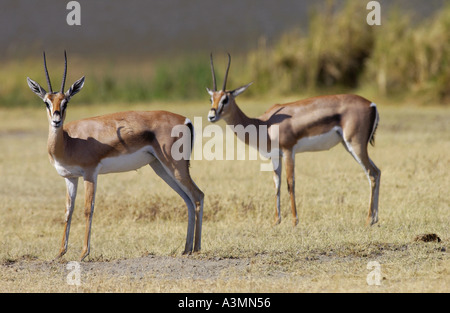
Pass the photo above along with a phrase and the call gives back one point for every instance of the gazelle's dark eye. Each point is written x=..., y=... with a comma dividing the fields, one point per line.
x=225, y=101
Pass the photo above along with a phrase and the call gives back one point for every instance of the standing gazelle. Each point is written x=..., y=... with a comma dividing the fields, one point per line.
x=117, y=142
x=312, y=124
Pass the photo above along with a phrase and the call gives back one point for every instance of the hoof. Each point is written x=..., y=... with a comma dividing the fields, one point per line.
x=277, y=221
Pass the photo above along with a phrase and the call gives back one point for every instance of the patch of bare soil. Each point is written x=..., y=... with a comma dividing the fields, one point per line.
x=169, y=267
x=163, y=267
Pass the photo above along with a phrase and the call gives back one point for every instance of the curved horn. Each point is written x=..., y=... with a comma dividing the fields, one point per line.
x=226, y=73
x=213, y=74
x=65, y=72
x=46, y=75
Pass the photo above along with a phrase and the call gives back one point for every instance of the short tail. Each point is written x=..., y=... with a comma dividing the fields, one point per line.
x=188, y=123
x=376, y=119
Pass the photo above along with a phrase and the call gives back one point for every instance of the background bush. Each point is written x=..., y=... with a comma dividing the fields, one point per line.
x=339, y=50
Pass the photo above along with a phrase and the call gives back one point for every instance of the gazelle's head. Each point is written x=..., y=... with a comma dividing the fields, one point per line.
x=56, y=102
x=222, y=101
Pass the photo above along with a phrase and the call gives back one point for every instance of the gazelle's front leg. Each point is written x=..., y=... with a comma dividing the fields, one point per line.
x=72, y=185
x=90, y=188
x=289, y=161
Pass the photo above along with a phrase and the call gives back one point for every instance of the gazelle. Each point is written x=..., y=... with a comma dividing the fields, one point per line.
x=312, y=124
x=117, y=142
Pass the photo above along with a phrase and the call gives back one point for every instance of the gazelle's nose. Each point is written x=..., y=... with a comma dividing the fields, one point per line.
x=212, y=115
x=56, y=119
x=56, y=116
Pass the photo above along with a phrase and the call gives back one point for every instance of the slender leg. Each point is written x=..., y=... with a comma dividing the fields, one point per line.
x=90, y=188
x=198, y=224
x=277, y=181
x=72, y=185
x=374, y=178
x=196, y=196
x=359, y=152
x=179, y=180
x=289, y=161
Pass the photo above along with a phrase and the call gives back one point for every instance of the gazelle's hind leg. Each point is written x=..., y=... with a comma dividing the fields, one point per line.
x=359, y=152
x=179, y=180
x=277, y=180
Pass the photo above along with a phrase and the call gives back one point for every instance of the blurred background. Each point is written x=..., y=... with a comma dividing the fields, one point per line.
x=140, y=51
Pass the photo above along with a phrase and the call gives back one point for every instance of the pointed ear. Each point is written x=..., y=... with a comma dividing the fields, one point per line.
x=240, y=90
x=36, y=88
x=209, y=91
x=75, y=88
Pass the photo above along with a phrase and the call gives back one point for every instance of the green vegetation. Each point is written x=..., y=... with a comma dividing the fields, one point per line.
x=338, y=52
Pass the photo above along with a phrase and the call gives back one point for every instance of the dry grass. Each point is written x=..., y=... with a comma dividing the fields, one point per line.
x=139, y=224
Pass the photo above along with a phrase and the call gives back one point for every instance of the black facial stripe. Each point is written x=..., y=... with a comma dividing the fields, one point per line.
x=48, y=104
x=222, y=104
x=220, y=108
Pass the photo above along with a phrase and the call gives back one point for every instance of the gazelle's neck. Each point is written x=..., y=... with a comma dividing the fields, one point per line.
x=250, y=127
x=237, y=117
x=55, y=141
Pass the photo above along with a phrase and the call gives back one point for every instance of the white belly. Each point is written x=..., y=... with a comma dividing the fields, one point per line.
x=68, y=170
x=321, y=142
x=121, y=163
x=128, y=162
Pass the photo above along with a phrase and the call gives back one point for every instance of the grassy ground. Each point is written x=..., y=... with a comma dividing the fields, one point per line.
x=140, y=224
